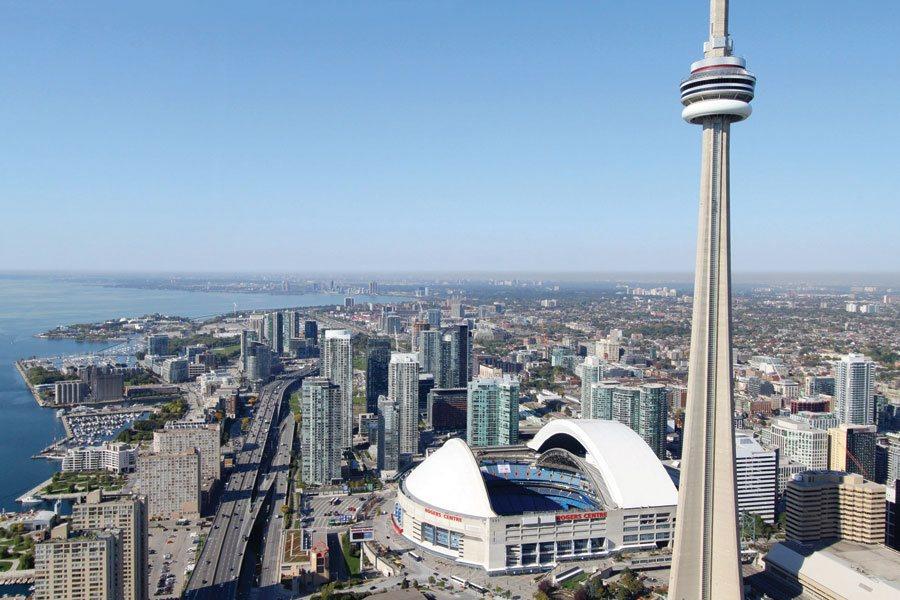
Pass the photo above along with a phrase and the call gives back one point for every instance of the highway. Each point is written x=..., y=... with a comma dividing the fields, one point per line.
x=218, y=569
x=270, y=571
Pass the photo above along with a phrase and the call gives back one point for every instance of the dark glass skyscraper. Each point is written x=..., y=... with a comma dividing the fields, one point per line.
x=378, y=356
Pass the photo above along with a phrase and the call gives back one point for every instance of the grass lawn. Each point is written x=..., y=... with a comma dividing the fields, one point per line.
x=575, y=582
x=5, y=565
x=352, y=561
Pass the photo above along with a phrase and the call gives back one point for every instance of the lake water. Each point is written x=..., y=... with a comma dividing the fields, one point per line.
x=31, y=305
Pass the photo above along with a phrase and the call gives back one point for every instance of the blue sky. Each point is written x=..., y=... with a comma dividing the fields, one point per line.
x=515, y=135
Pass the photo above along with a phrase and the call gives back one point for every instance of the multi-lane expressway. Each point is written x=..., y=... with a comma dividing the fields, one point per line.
x=218, y=570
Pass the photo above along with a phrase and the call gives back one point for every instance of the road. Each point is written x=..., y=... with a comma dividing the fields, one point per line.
x=270, y=572
x=218, y=570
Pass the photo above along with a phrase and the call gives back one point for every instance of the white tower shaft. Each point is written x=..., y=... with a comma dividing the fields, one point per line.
x=706, y=561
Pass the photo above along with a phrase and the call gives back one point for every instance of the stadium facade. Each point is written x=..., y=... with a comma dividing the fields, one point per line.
x=582, y=488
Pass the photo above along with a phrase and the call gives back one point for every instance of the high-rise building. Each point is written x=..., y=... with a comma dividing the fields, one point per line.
x=492, y=412
x=601, y=402
x=157, y=344
x=819, y=384
x=892, y=466
x=248, y=336
x=337, y=366
x=77, y=565
x=851, y=448
x=854, y=384
x=415, y=329
x=378, y=356
x=295, y=324
x=311, y=330
x=756, y=472
x=258, y=324
x=171, y=484
x=433, y=317
x=393, y=324
x=403, y=388
x=447, y=409
x=827, y=505
x=651, y=419
x=591, y=373
x=388, y=436
x=321, y=430
x=705, y=561
x=259, y=362
x=204, y=439
x=275, y=331
x=128, y=515
x=430, y=353
x=800, y=443
x=460, y=358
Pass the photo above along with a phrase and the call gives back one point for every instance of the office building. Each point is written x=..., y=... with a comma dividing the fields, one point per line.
x=492, y=412
x=128, y=515
x=403, y=388
x=388, y=460
x=854, y=384
x=113, y=457
x=203, y=438
x=171, y=484
x=157, y=344
x=827, y=505
x=800, y=443
x=77, y=565
x=321, y=431
x=447, y=409
x=851, y=448
x=378, y=356
x=337, y=366
x=756, y=474
x=705, y=560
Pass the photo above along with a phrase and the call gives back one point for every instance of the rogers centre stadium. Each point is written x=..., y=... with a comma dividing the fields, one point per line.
x=582, y=488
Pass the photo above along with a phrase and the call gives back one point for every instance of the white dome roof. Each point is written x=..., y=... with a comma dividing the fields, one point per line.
x=450, y=479
x=633, y=474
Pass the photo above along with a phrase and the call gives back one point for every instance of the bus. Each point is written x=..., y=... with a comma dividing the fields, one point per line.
x=459, y=580
x=415, y=556
x=478, y=588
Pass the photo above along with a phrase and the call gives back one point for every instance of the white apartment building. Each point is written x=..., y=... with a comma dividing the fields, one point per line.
x=337, y=366
x=403, y=388
x=800, y=443
x=114, y=457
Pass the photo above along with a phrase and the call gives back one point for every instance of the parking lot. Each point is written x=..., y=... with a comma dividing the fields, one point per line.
x=172, y=548
x=320, y=510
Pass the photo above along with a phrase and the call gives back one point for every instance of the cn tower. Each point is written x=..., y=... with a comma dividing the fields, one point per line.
x=706, y=560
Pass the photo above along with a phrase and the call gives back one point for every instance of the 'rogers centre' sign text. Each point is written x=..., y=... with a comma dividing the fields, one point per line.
x=588, y=516
x=443, y=515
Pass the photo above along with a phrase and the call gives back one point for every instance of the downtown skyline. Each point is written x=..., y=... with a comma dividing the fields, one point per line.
x=188, y=128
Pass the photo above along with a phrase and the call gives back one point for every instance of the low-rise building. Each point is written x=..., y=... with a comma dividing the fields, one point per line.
x=115, y=457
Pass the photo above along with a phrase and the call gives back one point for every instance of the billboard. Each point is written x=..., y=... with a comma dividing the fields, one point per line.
x=361, y=534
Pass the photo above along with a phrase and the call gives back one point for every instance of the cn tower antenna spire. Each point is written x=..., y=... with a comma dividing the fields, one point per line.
x=706, y=556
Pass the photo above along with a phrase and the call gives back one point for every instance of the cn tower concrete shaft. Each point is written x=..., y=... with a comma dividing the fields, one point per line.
x=706, y=561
